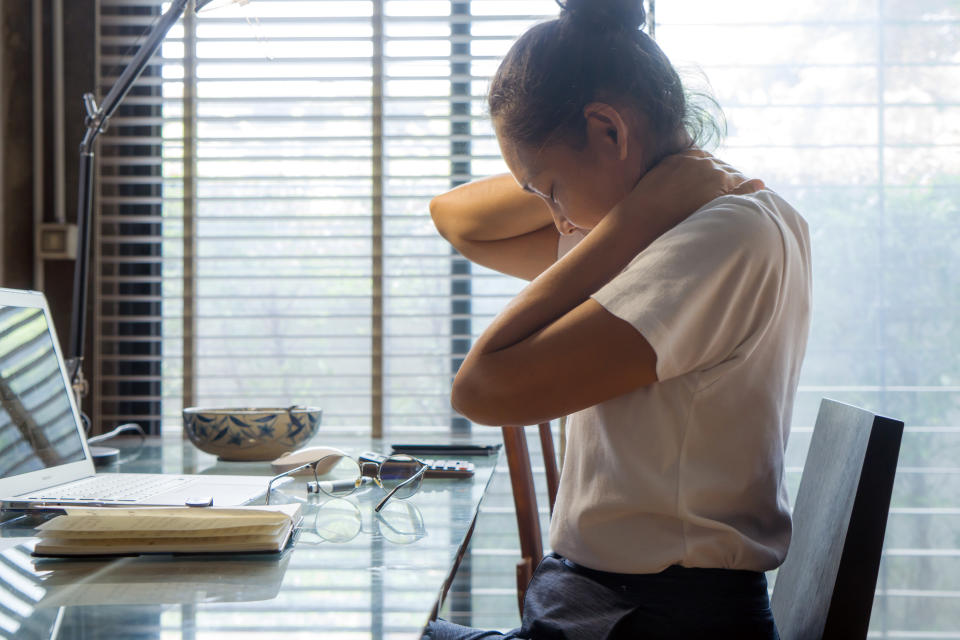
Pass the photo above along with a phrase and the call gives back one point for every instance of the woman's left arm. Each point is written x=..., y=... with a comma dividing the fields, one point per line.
x=553, y=350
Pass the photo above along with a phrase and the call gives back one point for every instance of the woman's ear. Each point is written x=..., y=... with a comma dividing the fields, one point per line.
x=607, y=129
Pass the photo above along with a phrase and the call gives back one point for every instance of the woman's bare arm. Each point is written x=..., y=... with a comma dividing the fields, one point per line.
x=553, y=350
x=493, y=222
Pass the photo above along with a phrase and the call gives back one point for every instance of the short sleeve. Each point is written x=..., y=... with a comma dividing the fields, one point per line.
x=704, y=291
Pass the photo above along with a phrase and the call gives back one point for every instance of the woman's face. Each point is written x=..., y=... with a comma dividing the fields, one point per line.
x=580, y=186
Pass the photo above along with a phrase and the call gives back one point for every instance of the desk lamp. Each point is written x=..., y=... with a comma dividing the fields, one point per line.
x=96, y=121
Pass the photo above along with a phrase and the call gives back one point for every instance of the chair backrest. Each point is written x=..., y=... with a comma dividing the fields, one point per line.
x=525, y=497
x=825, y=588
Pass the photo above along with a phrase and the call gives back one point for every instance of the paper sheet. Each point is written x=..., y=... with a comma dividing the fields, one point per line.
x=81, y=530
x=166, y=521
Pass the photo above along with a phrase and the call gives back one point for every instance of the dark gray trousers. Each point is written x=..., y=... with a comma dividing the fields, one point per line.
x=568, y=602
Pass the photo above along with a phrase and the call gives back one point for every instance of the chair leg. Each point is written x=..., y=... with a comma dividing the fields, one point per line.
x=524, y=576
x=549, y=463
x=525, y=504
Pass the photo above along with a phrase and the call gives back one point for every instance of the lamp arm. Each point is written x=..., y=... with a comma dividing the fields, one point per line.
x=96, y=121
x=98, y=118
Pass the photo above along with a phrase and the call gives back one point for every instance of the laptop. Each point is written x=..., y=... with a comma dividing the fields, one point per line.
x=44, y=458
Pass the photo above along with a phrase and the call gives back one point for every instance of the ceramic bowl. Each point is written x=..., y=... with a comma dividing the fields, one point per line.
x=250, y=434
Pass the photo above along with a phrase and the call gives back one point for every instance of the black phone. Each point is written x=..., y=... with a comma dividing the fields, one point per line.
x=447, y=449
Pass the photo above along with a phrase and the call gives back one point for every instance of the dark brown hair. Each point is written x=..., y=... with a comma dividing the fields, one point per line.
x=593, y=52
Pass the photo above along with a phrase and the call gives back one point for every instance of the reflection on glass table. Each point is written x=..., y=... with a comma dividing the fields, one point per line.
x=352, y=573
x=160, y=580
x=338, y=520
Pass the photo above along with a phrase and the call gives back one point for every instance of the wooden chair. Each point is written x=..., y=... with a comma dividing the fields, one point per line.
x=525, y=497
x=825, y=588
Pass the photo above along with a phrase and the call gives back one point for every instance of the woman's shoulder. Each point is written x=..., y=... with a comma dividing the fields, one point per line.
x=755, y=216
x=748, y=207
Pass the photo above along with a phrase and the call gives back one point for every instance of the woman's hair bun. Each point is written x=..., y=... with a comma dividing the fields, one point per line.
x=627, y=15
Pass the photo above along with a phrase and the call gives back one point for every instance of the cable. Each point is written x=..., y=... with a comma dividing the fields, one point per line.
x=130, y=426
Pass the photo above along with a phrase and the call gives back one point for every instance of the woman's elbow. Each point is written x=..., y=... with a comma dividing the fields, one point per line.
x=474, y=399
x=442, y=215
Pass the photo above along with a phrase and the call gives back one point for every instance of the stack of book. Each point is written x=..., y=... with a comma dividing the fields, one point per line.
x=100, y=531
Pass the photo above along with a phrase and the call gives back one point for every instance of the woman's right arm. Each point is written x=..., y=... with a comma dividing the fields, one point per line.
x=495, y=223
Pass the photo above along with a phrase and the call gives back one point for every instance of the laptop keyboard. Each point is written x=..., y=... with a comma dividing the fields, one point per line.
x=119, y=488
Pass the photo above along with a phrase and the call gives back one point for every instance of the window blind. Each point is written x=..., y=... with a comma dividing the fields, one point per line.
x=852, y=112
x=127, y=229
x=300, y=148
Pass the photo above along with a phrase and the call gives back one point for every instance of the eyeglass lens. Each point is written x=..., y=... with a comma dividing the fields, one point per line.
x=397, y=470
x=341, y=478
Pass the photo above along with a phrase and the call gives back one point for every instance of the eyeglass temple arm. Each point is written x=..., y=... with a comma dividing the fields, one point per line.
x=415, y=476
x=312, y=465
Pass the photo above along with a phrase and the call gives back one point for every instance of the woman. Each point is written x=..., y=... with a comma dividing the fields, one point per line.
x=671, y=331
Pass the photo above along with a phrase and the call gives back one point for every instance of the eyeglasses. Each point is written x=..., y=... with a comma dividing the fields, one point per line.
x=340, y=520
x=338, y=475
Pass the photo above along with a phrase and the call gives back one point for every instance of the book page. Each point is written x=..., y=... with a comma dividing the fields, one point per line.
x=159, y=520
x=81, y=530
x=115, y=545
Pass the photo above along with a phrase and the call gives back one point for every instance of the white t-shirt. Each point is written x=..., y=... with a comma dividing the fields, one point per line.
x=689, y=470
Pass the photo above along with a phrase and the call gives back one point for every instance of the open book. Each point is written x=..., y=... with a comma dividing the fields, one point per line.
x=87, y=531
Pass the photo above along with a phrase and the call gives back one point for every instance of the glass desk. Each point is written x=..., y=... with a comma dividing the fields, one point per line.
x=351, y=574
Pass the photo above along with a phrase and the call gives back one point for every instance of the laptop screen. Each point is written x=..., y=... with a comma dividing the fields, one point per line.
x=37, y=426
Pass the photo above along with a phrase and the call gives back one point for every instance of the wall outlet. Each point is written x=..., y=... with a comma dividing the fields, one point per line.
x=57, y=241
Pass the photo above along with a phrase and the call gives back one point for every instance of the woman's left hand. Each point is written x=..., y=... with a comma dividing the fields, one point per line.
x=679, y=185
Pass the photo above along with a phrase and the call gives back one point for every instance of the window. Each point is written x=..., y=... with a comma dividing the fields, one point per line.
x=852, y=112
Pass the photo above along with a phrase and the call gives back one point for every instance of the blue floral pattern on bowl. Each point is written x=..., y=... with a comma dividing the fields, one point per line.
x=250, y=434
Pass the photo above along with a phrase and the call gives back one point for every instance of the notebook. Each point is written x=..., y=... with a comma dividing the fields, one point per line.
x=44, y=459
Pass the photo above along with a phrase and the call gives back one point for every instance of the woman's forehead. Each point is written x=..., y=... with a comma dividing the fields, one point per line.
x=524, y=162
